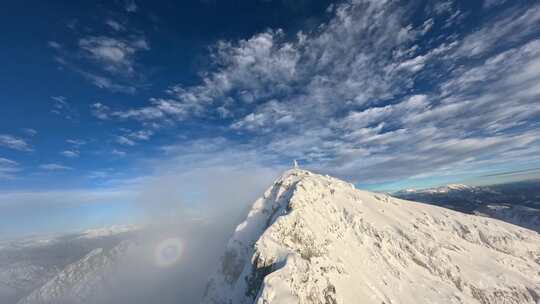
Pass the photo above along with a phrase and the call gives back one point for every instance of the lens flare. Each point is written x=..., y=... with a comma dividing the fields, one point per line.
x=168, y=252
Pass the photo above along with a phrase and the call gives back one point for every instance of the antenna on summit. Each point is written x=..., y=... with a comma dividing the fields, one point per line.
x=295, y=164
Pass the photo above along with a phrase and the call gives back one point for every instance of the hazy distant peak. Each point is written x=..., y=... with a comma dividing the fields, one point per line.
x=84, y=281
x=108, y=231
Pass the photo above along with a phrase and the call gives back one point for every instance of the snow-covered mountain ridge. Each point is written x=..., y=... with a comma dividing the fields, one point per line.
x=316, y=239
x=442, y=189
x=516, y=203
x=85, y=281
x=28, y=263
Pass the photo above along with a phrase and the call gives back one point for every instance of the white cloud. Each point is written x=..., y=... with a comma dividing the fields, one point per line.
x=15, y=143
x=414, y=65
x=30, y=131
x=100, y=110
x=427, y=25
x=54, y=167
x=76, y=142
x=159, y=110
x=125, y=141
x=130, y=6
x=493, y=3
x=344, y=97
x=141, y=135
x=118, y=153
x=130, y=138
x=108, y=59
x=59, y=104
x=442, y=7
x=7, y=162
x=62, y=107
x=99, y=174
x=114, y=25
x=54, y=45
x=115, y=54
x=70, y=153
x=272, y=112
x=105, y=82
x=8, y=168
x=509, y=28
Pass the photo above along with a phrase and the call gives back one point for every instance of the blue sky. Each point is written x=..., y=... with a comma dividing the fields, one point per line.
x=101, y=100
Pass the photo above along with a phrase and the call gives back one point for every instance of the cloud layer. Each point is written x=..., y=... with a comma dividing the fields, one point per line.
x=373, y=94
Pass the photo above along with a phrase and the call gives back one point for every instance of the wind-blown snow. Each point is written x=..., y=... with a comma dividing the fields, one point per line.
x=316, y=239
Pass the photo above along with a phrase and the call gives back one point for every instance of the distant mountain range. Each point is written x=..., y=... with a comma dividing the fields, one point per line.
x=33, y=265
x=517, y=203
x=158, y=263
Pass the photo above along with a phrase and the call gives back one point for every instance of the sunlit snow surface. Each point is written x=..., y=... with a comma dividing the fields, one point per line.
x=168, y=252
x=316, y=239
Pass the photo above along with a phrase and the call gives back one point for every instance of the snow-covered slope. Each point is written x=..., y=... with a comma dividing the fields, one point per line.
x=83, y=281
x=316, y=239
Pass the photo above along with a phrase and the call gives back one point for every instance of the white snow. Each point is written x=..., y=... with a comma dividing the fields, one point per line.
x=316, y=239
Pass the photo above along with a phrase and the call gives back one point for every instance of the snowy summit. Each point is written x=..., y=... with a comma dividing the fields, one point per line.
x=317, y=239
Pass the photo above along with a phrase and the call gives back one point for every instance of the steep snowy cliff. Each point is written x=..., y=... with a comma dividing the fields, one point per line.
x=316, y=239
